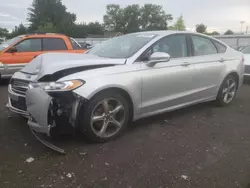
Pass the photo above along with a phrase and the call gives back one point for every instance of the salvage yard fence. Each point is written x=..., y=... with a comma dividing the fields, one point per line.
x=235, y=41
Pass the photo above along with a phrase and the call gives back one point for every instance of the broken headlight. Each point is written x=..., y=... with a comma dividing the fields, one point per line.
x=58, y=86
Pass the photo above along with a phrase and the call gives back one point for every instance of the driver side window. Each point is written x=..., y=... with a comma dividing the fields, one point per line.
x=174, y=45
x=29, y=45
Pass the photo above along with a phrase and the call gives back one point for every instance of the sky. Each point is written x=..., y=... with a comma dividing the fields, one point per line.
x=218, y=15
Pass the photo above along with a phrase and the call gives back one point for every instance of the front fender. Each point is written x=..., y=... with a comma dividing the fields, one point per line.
x=131, y=85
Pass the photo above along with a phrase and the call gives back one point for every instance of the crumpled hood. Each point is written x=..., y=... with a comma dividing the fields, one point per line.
x=50, y=63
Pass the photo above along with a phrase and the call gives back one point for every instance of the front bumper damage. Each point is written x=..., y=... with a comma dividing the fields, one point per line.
x=52, y=113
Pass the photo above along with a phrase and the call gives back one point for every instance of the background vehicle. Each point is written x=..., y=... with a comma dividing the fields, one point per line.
x=246, y=52
x=125, y=78
x=85, y=45
x=17, y=52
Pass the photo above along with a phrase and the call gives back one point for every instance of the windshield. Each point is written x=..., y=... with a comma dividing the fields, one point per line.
x=9, y=42
x=121, y=47
x=246, y=50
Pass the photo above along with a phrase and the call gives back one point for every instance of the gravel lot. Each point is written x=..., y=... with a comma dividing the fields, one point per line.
x=201, y=146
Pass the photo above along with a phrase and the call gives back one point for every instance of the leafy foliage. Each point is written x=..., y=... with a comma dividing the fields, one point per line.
x=52, y=12
x=229, y=32
x=154, y=17
x=135, y=18
x=18, y=30
x=201, y=28
x=179, y=25
x=52, y=16
x=3, y=32
x=113, y=20
x=213, y=33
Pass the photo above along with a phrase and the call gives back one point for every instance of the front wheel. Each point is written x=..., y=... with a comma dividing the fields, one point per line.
x=227, y=91
x=105, y=116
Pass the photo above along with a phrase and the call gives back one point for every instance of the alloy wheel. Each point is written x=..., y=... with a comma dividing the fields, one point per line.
x=229, y=90
x=107, y=118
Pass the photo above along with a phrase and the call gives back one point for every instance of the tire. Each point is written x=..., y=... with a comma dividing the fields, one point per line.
x=90, y=128
x=221, y=94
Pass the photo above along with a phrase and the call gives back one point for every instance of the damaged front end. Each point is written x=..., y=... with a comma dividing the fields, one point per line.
x=52, y=113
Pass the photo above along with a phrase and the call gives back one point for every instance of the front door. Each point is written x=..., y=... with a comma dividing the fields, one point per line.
x=168, y=85
x=27, y=50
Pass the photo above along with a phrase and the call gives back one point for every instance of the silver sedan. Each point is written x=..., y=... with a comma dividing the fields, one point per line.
x=124, y=79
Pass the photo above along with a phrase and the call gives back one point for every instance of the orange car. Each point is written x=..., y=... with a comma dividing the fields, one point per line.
x=17, y=52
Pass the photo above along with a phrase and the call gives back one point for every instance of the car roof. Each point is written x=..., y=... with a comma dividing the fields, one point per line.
x=164, y=32
x=35, y=35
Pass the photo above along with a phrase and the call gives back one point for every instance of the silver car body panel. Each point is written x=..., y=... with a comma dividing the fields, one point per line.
x=50, y=63
x=7, y=70
x=38, y=102
x=247, y=65
x=164, y=87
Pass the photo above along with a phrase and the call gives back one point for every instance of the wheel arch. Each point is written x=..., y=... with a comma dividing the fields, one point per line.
x=236, y=75
x=124, y=92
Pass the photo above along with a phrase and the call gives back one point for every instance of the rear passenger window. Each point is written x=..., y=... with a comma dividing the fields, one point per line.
x=50, y=44
x=203, y=46
x=220, y=47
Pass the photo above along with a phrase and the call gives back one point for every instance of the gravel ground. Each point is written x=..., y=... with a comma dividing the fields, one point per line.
x=203, y=146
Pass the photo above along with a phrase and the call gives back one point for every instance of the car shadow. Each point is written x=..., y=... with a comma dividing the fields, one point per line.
x=70, y=142
x=167, y=116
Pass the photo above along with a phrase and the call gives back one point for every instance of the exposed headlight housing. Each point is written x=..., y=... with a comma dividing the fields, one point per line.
x=58, y=86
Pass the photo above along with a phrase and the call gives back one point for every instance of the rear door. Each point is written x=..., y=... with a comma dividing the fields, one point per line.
x=27, y=50
x=54, y=45
x=208, y=61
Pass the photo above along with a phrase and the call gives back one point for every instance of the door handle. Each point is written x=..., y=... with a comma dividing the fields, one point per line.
x=185, y=64
x=222, y=60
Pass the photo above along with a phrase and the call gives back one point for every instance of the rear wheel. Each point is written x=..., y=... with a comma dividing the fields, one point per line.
x=227, y=91
x=105, y=116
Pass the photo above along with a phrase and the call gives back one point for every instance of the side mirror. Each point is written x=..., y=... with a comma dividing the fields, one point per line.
x=158, y=57
x=12, y=49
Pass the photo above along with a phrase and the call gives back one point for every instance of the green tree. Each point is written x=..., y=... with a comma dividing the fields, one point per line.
x=18, y=30
x=94, y=28
x=131, y=17
x=113, y=19
x=201, y=28
x=172, y=28
x=52, y=12
x=229, y=32
x=78, y=31
x=47, y=28
x=153, y=17
x=4, y=32
x=135, y=18
x=215, y=33
x=179, y=24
